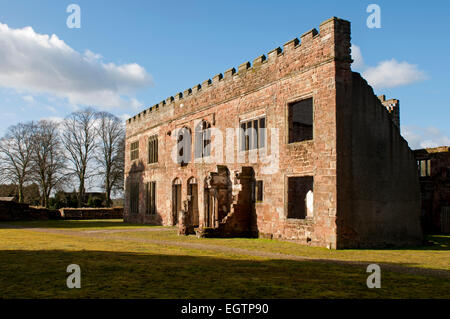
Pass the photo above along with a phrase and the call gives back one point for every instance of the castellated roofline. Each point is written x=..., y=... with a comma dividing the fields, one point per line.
x=295, y=44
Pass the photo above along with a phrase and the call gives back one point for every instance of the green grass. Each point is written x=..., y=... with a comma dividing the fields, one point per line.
x=33, y=265
x=80, y=224
x=436, y=255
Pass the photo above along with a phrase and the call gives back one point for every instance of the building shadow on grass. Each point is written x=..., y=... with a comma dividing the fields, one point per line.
x=68, y=224
x=430, y=243
x=42, y=274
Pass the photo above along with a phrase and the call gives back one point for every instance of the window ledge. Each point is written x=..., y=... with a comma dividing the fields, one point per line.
x=299, y=143
x=301, y=221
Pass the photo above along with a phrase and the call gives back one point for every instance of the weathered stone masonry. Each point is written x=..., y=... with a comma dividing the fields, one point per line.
x=355, y=180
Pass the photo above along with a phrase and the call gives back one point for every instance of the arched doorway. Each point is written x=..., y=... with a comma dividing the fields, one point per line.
x=192, y=190
x=176, y=200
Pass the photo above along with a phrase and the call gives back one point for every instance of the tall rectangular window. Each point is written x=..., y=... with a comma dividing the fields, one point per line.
x=153, y=149
x=134, y=198
x=259, y=191
x=424, y=168
x=262, y=132
x=300, y=118
x=252, y=134
x=150, y=190
x=134, y=150
x=300, y=194
x=202, y=139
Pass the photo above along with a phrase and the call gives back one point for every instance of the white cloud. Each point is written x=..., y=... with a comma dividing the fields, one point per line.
x=388, y=73
x=39, y=63
x=423, y=137
x=28, y=98
x=358, y=61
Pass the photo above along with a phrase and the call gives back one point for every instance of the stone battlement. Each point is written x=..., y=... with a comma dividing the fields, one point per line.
x=295, y=47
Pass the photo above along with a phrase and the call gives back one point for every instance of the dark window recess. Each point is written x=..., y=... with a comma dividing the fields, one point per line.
x=259, y=191
x=253, y=134
x=151, y=197
x=424, y=168
x=298, y=188
x=184, y=146
x=134, y=198
x=134, y=150
x=448, y=172
x=300, y=116
x=203, y=140
x=153, y=149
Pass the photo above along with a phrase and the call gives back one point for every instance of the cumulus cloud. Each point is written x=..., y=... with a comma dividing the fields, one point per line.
x=423, y=137
x=39, y=63
x=358, y=61
x=388, y=73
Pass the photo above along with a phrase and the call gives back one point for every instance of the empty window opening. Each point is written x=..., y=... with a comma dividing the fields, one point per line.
x=300, y=120
x=258, y=191
x=253, y=134
x=300, y=197
x=153, y=149
x=424, y=168
x=134, y=198
x=134, y=150
x=184, y=146
x=203, y=139
x=151, y=198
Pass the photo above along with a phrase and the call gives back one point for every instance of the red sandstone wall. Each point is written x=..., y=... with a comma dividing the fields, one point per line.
x=92, y=213
x=301, y=70
x=379, y=198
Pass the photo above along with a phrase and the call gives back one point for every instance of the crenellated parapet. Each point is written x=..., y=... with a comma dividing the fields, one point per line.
x=311, y=48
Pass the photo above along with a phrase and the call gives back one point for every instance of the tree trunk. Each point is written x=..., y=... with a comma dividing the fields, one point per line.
x=20, y=193
x=108, y=192
x=81, y=194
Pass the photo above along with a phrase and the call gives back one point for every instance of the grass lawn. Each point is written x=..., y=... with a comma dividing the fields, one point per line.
x=154, y=262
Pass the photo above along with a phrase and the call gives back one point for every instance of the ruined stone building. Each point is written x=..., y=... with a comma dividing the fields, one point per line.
x=294, y=146
x=434, y=174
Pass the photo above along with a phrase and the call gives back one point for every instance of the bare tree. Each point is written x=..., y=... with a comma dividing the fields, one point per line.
x=78, y=138
x=111, y=152
x=15, y=154
x=48, y=160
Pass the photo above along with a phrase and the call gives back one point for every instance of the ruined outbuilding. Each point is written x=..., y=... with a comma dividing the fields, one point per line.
x=294, y=146
x=434, y=175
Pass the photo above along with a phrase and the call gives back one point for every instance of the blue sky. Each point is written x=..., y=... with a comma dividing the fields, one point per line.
x=129, y=55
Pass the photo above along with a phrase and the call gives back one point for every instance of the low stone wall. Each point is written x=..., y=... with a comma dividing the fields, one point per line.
x=92, y=213
x=10, y=211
